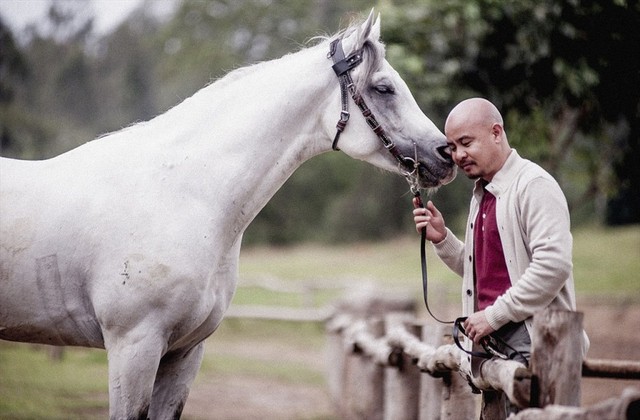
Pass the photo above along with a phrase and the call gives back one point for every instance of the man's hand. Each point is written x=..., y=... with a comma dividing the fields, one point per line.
x=476, y=326
x=431, y=217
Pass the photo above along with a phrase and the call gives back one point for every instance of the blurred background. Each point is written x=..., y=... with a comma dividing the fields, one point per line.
x=564, y=73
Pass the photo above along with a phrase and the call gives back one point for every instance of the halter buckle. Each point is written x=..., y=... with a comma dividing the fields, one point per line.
x=342, y=64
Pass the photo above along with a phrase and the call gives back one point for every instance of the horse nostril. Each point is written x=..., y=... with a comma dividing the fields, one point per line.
x=445, y=152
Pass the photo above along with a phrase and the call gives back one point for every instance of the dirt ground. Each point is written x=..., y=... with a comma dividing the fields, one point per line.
x=612, y=328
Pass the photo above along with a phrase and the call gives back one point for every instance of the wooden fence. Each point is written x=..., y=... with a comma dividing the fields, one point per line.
x=359, y=296
x=385, y=365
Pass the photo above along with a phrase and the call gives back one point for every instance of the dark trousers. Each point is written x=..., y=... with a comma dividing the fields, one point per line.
x=518, y=348
x=514, y=334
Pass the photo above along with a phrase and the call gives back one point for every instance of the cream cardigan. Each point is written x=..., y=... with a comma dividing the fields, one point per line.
x=533, y=221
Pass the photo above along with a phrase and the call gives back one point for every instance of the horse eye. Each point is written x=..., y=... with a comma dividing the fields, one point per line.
x=384, y=89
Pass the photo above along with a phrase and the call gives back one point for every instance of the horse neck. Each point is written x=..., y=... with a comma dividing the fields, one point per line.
x=247, y=133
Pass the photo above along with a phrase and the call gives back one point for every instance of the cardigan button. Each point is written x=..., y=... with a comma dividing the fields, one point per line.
x=469, y=292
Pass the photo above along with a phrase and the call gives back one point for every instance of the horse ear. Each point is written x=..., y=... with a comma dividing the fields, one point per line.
x=375, y=29
x=366, y=29
x=370, y=29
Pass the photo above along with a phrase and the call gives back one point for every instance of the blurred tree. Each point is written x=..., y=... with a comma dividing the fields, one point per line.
x=564, y=73
x=13, y=69
x=207, y=39
x=54, y=104
x=576, y=63
x=128, y=62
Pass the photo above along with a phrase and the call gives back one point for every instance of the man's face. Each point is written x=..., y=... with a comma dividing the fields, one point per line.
x=474, y=148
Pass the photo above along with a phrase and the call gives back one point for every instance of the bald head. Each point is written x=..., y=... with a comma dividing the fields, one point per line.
x=475, y=111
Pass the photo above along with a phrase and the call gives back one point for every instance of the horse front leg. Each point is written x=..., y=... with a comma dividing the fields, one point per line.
x=133, y=363
x=173, y=382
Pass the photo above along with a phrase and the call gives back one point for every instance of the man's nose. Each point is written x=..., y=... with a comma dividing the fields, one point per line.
x=457, y=155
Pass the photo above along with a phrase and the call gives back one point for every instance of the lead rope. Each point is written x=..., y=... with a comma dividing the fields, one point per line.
x=412, y=179
x=423, y=260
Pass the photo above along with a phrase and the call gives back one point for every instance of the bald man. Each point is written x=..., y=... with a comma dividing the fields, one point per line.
x=516, y=256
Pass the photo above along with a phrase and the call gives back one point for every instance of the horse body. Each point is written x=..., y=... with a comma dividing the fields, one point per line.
x=131, y=242
x=101, y=204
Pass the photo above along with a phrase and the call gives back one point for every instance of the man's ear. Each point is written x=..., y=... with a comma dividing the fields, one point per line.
x=497, y=130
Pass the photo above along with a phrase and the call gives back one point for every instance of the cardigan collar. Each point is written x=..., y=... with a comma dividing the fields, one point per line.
x=503, y=178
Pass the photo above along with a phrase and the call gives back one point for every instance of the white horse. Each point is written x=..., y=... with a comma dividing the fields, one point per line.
x=131, y=242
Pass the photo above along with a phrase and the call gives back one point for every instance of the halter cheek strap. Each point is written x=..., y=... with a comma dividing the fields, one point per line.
x=342, y=66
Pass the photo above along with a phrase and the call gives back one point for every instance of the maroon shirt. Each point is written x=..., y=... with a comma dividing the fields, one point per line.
x=492, y=276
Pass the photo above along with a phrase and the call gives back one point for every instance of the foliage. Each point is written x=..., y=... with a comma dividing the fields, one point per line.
x=564, y=74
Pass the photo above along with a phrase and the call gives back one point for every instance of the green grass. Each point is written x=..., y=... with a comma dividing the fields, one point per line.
x=606, y=265
x=607, y=262
x=32, y=386
x=392, y=266
x=293, y=372
x=389, y=263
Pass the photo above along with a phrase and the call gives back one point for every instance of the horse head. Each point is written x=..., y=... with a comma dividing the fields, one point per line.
x=392, y=132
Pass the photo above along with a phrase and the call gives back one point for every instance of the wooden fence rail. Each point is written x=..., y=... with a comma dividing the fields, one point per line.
x=627, y=406
x=615, y=369
x=390, y=367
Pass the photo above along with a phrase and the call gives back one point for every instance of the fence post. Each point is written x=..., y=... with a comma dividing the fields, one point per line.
x=431, y=388
x=336, y=359
x=556, y=358
x=402, y=379
x=355, y=381
x=457, y=400
x=363, y=382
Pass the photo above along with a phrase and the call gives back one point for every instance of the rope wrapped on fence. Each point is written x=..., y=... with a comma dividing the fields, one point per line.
x=378, y=373
x=430, y=359
x=508, y=376
x=359, y=337
x=364, y=338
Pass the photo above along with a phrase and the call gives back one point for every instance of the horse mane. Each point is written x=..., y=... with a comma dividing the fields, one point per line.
x=236, y=74
x=372, y=56
x=373, y=53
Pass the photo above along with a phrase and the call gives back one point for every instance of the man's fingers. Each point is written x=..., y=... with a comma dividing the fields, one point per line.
x=432, y=208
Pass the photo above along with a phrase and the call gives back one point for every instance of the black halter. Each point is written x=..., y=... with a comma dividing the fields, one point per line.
x=342, y=67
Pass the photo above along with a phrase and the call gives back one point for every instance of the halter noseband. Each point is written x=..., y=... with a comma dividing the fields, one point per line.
x=342, y=66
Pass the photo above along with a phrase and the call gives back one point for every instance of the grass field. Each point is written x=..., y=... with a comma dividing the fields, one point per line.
x=606, y=263
x=32, y=386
